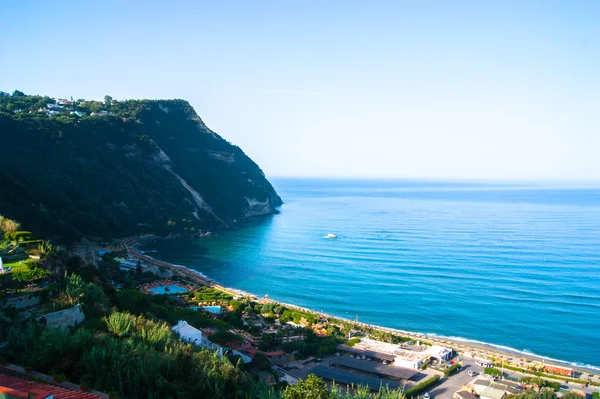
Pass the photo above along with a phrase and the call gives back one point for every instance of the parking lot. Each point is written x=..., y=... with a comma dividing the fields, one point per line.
x=448, y=386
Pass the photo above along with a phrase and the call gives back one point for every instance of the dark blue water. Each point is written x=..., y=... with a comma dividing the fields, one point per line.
x=513, y=265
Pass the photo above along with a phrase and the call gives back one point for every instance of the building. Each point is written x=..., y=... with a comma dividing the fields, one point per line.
x=487, y=389
x=493, y=392
x=367, y=354
x=463, y=395
x=194, y=336
x=412, y=359
x=17, y=388
x=567, y=371
x=374, y=369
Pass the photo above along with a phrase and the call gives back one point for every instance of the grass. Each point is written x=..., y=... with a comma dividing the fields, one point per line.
x=17, y=266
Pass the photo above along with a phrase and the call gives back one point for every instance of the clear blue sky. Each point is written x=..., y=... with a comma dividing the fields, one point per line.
x=435, y=89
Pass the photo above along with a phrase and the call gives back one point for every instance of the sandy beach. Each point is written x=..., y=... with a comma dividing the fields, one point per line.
x=464, y=347
x=475, y=349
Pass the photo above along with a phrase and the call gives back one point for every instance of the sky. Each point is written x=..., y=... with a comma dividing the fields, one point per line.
x=400, y=89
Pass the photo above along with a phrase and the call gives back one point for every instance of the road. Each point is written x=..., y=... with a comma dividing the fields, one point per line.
x=448, y=386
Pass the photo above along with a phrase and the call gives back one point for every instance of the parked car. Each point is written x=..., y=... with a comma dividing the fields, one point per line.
x=426, y=396
x=472, y=373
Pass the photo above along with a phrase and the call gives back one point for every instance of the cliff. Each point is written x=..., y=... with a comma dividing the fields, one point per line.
x=121, y=168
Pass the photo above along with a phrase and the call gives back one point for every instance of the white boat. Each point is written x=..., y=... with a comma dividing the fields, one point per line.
x=330, y=235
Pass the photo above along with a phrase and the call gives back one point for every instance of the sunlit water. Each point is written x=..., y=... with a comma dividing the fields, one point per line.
x=513, y=265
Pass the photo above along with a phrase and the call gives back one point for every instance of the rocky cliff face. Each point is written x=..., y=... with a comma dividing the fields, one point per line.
x=145, y=167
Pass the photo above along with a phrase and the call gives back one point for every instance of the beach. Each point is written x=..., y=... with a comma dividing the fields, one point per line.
x=463, y=347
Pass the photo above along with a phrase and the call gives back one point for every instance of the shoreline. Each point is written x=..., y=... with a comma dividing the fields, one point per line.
x=460, y=344
x=463, y=346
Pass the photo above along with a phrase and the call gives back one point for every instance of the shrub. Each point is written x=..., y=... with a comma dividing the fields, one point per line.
x=353, y=341
x=492, y=371
x=419, y=388
x=452, y=369
x=120, y=323
x=31, y=275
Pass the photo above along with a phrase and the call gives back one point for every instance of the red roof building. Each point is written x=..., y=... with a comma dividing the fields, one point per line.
x=17, y=388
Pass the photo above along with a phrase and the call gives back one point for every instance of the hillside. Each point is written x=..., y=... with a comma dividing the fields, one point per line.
x=120, y=168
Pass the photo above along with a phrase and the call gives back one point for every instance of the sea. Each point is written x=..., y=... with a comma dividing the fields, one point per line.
x=515, y=265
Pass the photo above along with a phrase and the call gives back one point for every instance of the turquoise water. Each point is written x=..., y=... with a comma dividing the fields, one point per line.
x=512, y=265
x=211, y=309
x=173, y=289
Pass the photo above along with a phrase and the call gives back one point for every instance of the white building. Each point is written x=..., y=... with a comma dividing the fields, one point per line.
x=194, y=336
x=411, y=359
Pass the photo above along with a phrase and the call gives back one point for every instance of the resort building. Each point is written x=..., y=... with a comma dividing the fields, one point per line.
x=399, y=356
x=194, y=336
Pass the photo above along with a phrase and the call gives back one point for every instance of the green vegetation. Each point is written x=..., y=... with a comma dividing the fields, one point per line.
x=297, y=316
x=422, y=387
x=128, y=366
x=492, y=371
x=540, y=383
x=126, y=346
x=209, y=294
x=448, y=371
x=353, y=341
x=31, y=275
x=112, y=174
x=120, y=324
x=553, y=376
x=544, y=394
x=314, y=388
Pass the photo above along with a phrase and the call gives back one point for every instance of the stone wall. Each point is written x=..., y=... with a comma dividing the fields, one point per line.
x=64, y=318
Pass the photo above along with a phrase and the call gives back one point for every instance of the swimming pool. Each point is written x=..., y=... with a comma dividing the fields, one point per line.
x=211, y=309
x=168, y=289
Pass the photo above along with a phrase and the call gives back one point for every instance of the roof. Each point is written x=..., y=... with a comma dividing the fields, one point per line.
x=345, y=377
x=276, y=353
x=508, y=386
x=19, y=384
x=465, y=395
x=187, y=332
x=366, y=352
x=493, y=392
x=375, y=368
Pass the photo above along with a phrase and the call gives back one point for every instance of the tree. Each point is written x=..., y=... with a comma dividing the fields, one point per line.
x=108, y=99
x=94, y=296
x=571, y=395
x=8, y=225
x=311, y=388
x=260, y=362
x=18, y=93
x=75, y=288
